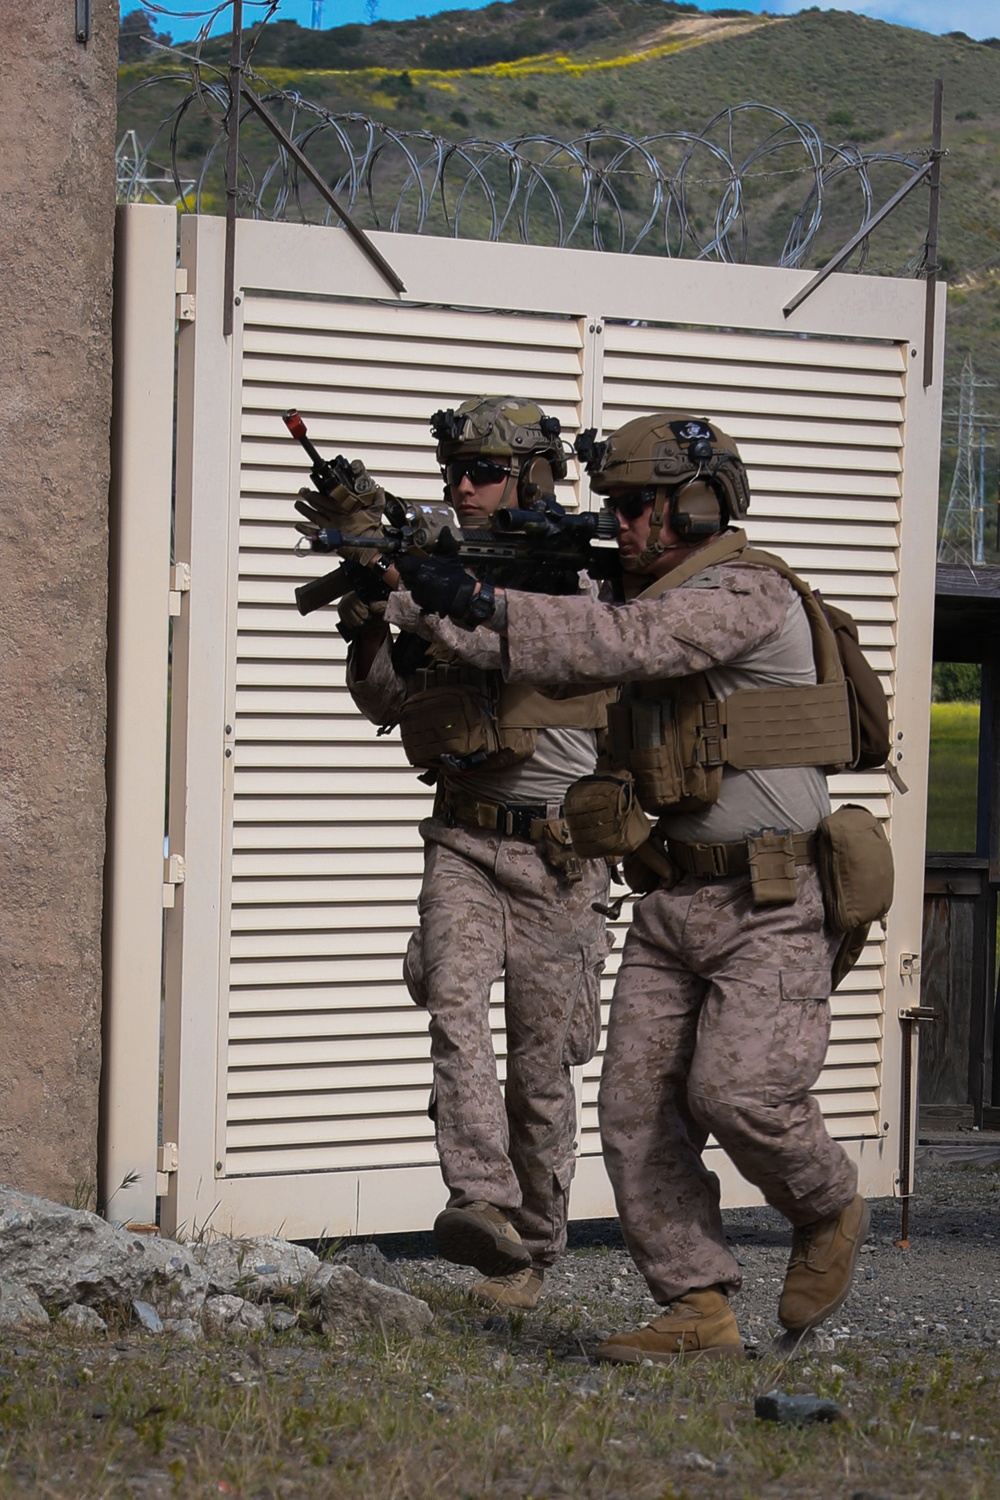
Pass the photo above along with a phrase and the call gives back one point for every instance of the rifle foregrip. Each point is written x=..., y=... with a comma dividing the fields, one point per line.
x=312, y=596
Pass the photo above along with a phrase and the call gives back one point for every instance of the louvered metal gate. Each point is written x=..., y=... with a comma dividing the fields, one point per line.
x=296, y=1069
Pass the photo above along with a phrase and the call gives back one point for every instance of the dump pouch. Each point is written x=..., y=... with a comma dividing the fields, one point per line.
x=650, y=867
x=604, y=817
x=850, y=950
x=855, y=868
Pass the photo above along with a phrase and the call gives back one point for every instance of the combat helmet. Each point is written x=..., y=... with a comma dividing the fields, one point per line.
x=508, y=431
x=685, y=462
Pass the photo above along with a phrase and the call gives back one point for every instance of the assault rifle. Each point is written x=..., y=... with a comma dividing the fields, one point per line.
x=537, y=549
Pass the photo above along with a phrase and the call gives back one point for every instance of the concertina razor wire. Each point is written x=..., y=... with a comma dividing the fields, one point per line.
x=753, y=185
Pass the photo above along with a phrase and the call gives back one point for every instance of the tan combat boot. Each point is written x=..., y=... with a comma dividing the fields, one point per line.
x=519, y=1289
x=480, y=1235
x=699, y=1325
x=821, y=1266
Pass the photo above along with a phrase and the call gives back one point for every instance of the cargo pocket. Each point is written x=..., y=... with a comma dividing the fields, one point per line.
x=583, y=1034
x=413, y=970
x=801, y=1032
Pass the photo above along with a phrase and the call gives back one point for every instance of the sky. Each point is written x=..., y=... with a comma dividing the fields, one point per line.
x=978, y=18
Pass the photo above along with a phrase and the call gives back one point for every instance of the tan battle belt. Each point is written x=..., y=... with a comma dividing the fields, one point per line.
x=523, y=820
x=712, y=861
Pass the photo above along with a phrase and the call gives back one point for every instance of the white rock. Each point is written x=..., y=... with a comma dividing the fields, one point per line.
x=184, y=1329
x=147, y=1316
x=83, y=1319
x=19, y=1307
x=349, y=1303
x=282, y=1318
x=259, y=1265
x=229, y=1314
x=68, y=1255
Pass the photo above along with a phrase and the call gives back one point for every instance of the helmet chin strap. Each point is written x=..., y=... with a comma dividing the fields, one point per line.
x=654, y=548
x=509, y=496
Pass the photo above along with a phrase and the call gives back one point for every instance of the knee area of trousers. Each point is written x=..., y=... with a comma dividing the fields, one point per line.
x=732, y=1118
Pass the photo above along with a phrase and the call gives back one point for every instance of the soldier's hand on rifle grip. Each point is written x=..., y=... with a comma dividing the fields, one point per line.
x=357, y=613
x=439, y=587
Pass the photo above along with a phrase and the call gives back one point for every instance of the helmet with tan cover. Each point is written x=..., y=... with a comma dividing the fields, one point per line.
x=509, y=432
x=688, y=462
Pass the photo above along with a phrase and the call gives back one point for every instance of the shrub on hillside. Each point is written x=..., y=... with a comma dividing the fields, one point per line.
x=452, y=53
x=957, y=682
x=570, y=10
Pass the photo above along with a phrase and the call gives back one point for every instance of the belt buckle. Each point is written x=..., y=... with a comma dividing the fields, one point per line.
x=720, y=860
x=508, y=820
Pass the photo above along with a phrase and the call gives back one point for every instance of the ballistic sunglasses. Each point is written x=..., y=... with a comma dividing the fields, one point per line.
x=632, y=503
x=477, y=469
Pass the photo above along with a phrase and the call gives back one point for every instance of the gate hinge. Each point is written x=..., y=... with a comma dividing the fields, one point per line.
x=166, y=1163
x=180, y=583
x=184, y=300
x=174, y=874
x=909, y=965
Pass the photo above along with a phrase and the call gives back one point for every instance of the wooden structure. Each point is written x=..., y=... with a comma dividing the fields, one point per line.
x=959, y=1076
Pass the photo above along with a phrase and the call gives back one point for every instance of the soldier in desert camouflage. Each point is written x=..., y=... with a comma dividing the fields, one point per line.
x=503, y=892
x=720, y=1018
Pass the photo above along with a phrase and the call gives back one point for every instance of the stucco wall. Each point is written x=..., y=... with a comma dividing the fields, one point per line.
x=57, y=134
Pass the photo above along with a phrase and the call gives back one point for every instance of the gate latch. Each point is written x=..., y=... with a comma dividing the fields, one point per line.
x=180, y=584
x=909, y=965
x=174, y=874
x=184, y=298
x=166, y=1163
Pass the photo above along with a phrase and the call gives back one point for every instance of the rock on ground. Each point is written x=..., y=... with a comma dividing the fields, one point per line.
x=348, y=1303
x=83, y=1319
x=19, y=1307
x=67, y=1255
x=255, y=1267
x=229, y=1314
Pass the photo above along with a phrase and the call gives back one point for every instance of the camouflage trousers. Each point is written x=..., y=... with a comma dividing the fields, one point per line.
x=719, y=1024
x=491, y=905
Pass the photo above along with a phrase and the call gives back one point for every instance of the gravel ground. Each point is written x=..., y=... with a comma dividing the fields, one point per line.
x=942, y=1292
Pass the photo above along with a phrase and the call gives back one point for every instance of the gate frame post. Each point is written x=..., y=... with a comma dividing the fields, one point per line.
x=145, y=280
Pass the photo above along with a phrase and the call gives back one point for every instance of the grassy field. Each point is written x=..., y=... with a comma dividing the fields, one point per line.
x=951, y=802
x=481, y=1407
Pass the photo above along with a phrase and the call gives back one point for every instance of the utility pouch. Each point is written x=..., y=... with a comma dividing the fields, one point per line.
x=446, y=722
x=855, y=868
x=558, y=852
x=453, y=726
x=771, y=856
x=643, y=736
x=604, y=817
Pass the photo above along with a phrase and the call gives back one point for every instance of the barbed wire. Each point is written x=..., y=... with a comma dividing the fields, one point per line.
x=725, y=192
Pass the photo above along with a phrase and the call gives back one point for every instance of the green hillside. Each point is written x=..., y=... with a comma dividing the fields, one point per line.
x=563, y=67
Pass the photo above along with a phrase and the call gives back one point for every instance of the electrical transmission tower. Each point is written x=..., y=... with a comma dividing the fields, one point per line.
x=962, y=533
x=317, y=15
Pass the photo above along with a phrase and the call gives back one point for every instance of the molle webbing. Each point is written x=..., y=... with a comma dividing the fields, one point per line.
x=762, y=728
x=521, y=707
x=757, y=728
x=514, y=704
